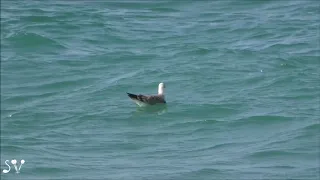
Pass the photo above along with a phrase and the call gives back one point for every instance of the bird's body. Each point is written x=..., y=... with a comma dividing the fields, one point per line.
x=144, y=100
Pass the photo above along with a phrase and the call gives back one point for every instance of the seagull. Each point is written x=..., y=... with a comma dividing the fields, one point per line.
x=144, y=100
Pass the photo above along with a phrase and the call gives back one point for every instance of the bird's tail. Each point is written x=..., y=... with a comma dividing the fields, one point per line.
x=132, y=96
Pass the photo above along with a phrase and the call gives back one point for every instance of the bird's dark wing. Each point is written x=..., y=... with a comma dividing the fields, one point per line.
x=154, y=99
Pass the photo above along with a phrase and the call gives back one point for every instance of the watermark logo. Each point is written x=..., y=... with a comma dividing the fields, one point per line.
x=14, y=163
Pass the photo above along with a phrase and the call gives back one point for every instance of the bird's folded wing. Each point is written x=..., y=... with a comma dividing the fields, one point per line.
x=151, y=99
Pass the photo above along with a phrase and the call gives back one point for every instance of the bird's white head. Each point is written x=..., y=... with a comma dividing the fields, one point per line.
x=161, y=89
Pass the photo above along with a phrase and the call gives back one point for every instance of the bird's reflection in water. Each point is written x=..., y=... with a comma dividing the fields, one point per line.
x=155, y=109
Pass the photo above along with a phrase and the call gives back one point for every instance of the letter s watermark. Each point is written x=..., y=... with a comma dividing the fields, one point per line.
x=14, y=163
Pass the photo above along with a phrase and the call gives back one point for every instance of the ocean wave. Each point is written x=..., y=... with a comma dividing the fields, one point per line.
x=283, y=46
x=192, y=123
x=285, y=167
x=273, y=154
x=260, y=120
x=63, y=84
x=200, y=173
x=39, y=19
x=164, y=9
x=27, y=98
x=217, y=147
x=32, y=40
x=312, y=127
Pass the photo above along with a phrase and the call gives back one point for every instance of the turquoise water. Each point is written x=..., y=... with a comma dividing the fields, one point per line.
x=242, y=89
